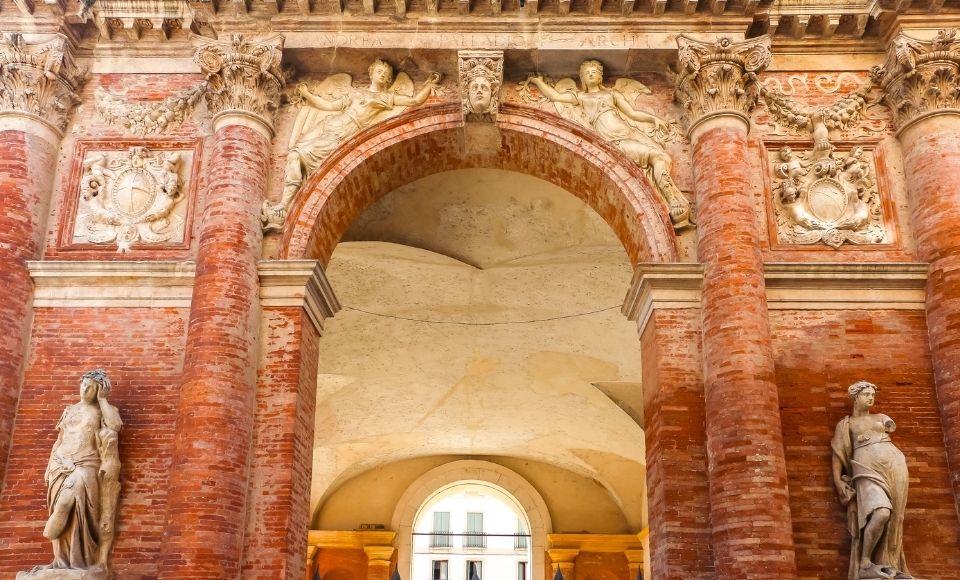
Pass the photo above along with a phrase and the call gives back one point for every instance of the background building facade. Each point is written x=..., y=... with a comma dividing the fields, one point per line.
x=619, y=260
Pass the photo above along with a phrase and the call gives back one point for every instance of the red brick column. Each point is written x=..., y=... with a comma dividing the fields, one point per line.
x=211, y=458
x=30, y=131
x=749, y=501
x=930, y=134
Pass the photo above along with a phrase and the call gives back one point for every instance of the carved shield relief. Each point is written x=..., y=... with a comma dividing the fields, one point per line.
x=824, y=196
x=132, y=197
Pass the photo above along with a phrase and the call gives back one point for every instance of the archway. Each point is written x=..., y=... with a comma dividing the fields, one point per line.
x=509, y=482
x=429, y=140
x=372, y=165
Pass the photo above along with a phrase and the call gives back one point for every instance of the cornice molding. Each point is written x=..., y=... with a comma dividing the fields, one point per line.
x=789, y=286
x=121, y=284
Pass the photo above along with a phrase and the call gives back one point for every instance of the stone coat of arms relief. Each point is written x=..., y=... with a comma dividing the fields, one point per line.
x=823, y=195
x=133, y=196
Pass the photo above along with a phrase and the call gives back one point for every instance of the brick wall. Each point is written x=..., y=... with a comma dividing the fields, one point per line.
x=677, y=485
x=601, y=566
x=141, y=349
x=818, y=355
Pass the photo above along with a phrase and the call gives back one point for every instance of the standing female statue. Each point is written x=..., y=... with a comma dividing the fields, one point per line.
x=870, y=475
x=608, y=112
x=83, y=484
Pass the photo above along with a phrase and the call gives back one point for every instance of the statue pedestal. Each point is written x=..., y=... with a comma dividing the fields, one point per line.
x=95, y=573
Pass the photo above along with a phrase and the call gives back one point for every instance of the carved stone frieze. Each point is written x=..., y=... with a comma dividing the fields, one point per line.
x=719, y=78
x=921, y=78
x=243, y=76
x=855, y=114
x=481, y=75
x=132, y=196
x=822, y=196
x=39, y=79
x=147, y=117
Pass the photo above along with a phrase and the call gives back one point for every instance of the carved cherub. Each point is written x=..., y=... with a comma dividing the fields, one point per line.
x=608, y=111
x=333, y=112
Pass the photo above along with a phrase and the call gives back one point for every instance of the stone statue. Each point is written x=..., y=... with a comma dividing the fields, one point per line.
x=870, y=475
x=610, y=113
x=83, y=485
x=333, y=112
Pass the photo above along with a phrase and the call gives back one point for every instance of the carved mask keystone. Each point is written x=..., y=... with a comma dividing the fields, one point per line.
x=481, y=76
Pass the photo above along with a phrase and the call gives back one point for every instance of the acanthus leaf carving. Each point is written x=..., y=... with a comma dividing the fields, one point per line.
x=719, y=78
x=130, y=197
x=921, y=78
x=243, y=76
x=39, y=79
x=144, y=118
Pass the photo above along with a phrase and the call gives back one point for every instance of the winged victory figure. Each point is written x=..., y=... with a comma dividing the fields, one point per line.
x=637, y=134
x=333, y=112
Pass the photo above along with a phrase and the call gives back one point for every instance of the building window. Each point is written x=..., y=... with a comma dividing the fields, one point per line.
x=520, y=541
x=522, y=571
x=474, y=537
x=440, y=570
x=474, y=570
x=441, y=530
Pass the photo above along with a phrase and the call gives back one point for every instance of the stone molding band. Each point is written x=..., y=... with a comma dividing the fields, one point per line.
x=114, y=284
x=789, y=286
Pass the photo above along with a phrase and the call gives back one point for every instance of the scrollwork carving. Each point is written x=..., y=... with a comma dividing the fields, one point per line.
x=921, y=78
x=823, y=196
x=858, y=113
x=130, y=197
x=39, y=79
x=243, y=76
x=719, y=78
x=146, y=118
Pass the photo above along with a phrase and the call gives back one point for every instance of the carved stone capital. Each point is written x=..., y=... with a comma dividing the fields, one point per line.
x=481, y=75
x=244, y=77
x=39, y=80
x=921, y=78
x=719, y=78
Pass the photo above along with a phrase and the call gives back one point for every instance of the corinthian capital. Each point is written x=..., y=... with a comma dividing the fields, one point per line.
x=719, y=78
x=243, y=77
x=39, y=79
x=921, y=78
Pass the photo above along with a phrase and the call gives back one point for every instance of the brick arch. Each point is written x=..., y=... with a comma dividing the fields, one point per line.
x=428, y=140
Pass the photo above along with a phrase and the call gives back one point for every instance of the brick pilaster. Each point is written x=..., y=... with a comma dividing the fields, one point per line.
x=209, y=474
x=749, y=501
